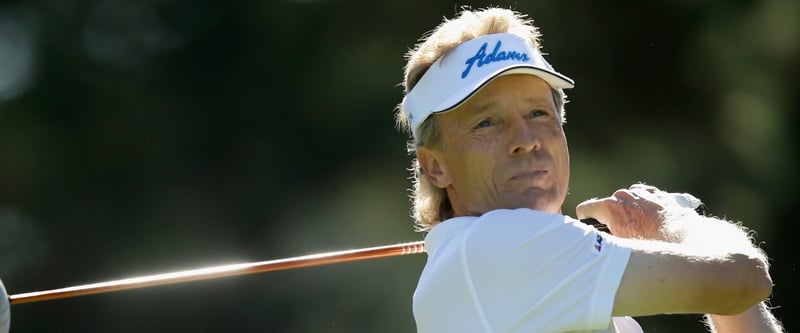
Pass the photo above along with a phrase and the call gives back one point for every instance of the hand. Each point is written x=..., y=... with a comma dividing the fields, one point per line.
x=5, y=310
x=640, y=211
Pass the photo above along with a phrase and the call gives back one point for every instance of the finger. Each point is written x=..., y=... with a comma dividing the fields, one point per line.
x=649, y=198
x=665, y=199
x=615, y=212
x=640, y=199
x=596, y=208
x=645, y=187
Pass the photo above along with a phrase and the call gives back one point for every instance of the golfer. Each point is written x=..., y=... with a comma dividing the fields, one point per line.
x=485, y=111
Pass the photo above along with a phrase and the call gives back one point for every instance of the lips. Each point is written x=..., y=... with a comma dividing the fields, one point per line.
x=530, y=175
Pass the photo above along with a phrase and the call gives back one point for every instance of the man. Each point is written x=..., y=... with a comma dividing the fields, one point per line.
x=485, y=111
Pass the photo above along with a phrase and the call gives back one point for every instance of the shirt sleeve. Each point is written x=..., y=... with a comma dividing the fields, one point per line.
x=535, y=271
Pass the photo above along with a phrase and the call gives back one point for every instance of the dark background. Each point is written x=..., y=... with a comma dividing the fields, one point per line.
x=140, y=137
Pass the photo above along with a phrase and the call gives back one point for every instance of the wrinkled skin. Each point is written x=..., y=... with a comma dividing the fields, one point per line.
x=503, y=148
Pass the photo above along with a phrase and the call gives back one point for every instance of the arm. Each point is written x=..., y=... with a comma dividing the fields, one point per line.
x=664, y=278
x=680, y=262
x=757, y=318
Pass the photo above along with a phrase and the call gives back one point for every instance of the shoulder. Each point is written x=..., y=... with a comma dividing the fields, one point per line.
x=506, y=237
x=513, y=227
x=529, y=219
x=505, y=232
x=501, y=223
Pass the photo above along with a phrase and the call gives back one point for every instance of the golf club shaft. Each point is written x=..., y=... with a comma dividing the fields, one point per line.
x=221, y=271
x=232, y=270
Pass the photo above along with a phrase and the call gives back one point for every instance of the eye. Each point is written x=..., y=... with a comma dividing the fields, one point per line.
x=484, y=123
x=543, y=114
x=538, y=113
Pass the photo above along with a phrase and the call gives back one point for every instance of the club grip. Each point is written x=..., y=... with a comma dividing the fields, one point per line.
x=596, y=224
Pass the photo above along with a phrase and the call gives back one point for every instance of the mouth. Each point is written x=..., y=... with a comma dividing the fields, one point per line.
x=530, y=175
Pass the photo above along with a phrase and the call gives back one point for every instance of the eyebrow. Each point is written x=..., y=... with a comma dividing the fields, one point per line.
x=539, y=100
x=480, y=109
x=536, y=101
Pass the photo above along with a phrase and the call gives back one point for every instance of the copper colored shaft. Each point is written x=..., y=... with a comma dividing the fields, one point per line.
x=222, y=271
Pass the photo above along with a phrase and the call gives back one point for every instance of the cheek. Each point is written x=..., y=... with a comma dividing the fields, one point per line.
x=474, y=168
x=561, y=155
x=564, y=159
x=474, y=157
x=474, y=176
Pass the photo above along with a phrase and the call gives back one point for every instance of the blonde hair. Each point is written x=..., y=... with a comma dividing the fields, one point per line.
x=431, y=205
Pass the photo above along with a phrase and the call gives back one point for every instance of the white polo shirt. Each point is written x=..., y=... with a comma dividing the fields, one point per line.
x=520, y=271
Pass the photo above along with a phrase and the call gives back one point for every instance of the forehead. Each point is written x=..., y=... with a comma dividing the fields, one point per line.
x=519, y=88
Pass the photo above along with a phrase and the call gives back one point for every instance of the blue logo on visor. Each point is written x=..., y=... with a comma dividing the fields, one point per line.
x=484, y=59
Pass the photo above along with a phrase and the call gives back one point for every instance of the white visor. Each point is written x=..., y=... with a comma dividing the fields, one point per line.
x=456, y=76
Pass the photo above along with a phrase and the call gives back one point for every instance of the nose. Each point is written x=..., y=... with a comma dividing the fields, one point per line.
x=524, y=138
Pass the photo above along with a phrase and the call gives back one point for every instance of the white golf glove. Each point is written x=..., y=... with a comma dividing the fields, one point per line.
x=5, y=309
x=687, y=200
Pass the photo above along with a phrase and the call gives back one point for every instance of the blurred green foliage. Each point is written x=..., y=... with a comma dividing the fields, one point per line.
x=139, y=137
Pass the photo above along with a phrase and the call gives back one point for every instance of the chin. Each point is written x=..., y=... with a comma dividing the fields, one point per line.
x=546, y=202
x=546, y=208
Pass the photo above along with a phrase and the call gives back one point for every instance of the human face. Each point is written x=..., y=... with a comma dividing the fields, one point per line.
x=503, y=148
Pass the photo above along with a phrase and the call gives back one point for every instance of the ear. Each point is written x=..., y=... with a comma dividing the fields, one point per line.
x=432, y=167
